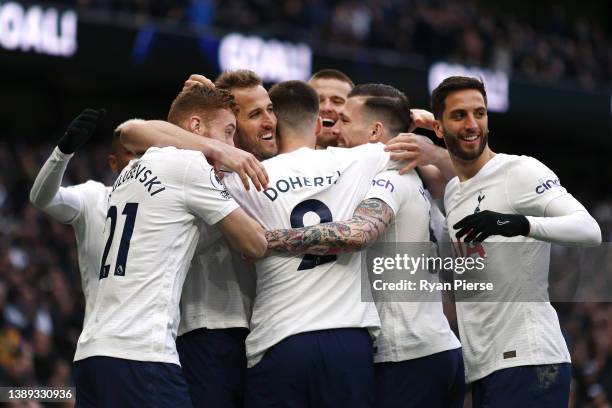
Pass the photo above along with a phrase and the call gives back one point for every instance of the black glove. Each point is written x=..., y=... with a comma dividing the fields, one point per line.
x=478, y=227
x=80, y=130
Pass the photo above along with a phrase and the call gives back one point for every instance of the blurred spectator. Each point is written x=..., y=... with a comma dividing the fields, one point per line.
x=565, y=45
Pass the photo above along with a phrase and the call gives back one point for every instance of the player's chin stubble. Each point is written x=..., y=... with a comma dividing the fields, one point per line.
x=453, y=145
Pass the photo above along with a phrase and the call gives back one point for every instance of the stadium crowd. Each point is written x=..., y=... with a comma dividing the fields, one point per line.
x=563, y=46
x=41, y=304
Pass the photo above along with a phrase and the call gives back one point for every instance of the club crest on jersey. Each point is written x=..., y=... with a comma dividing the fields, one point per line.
x=218, y=185
x=546, y=184
x=481, y=197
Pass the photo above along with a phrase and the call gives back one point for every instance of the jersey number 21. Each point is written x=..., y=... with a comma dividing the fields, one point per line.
x=129, y=211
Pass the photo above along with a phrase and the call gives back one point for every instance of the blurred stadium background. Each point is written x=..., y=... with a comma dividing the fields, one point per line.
x=548, y=69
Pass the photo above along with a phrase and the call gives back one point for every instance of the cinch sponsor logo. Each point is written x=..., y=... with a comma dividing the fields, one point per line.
x=383, y=183
x=547, y=185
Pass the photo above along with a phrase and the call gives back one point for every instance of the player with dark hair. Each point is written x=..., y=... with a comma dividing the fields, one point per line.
x=507, y=209
x=418, y=361
x=126, y=354
x=370, y=106
x=83, y=206
x=295, y=105
x=310, y=341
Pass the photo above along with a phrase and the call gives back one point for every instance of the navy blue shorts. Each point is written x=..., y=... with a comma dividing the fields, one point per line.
x=437, y=380
x=537, y=386
x=326, y=368
x=115, y=382
x=214, y=363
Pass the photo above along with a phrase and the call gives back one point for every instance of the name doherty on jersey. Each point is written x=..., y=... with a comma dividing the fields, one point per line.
x=296, y=183
x=140, y=172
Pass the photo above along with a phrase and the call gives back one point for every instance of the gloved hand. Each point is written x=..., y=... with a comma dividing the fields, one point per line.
x=478, y=227
x=80, y=130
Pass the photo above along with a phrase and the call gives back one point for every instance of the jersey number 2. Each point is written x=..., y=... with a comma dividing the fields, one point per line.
x=297, y=221
x=129, y=211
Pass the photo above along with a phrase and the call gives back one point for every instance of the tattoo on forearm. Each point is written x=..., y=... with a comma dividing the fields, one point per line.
x=369, y=221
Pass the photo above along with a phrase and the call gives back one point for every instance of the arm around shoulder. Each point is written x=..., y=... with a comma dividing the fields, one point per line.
x=244, y=233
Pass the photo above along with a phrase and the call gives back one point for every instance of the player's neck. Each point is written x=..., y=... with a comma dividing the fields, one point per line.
x=291, y=140
x=467, y=169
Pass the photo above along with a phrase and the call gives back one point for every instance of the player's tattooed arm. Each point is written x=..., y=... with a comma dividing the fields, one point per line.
x=370, y=220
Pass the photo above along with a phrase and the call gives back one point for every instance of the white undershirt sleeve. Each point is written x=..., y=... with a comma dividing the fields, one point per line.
x=61, y=203
x=565, y=221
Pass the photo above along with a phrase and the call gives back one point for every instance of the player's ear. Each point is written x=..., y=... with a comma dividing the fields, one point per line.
x=196, y=125
x=318, y=126
x=377, y=130
x=111, y=159
x=437, y=128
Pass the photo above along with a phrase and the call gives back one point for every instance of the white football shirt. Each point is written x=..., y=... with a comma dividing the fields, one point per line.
x=150, y=236
x=84, y=207
x=296, y=294
x=88, y=227
x=415, y=326
x=513, y=332
x=219, y=288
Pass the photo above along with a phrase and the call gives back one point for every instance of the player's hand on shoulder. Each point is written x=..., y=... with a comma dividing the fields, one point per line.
x=243, y=163
x=415, y=149
x=80, y=130
x=197, y=79
x=421, y=118
x=478, y=227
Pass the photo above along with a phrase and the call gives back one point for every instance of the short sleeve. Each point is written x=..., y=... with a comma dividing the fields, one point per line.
x=383, y=159
x=531, y=187
x=205, y=195
x=386, y=186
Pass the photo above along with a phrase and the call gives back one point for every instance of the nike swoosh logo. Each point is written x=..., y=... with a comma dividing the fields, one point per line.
x=502, y=222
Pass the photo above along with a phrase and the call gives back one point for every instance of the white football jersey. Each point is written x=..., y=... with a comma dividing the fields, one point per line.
x=414, y=325
x=514, y=332
x=150, y=236
x=88, y=228
x=220, y=286
x=296, y=294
